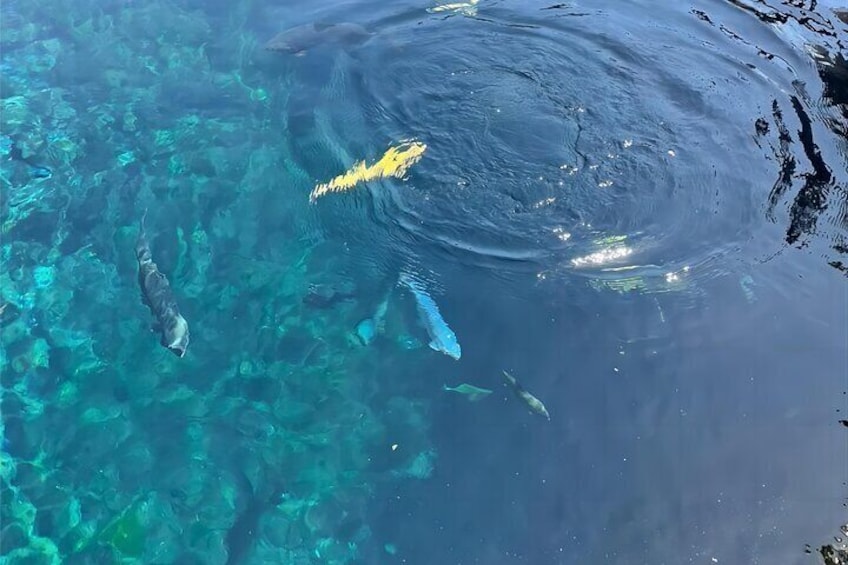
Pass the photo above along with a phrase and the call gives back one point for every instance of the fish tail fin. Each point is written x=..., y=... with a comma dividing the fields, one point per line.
x=142, y=232
x=513, y=382
x=141, y=247
x=243, y=481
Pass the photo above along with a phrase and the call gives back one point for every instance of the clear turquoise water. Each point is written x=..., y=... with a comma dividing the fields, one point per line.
x=638, y=209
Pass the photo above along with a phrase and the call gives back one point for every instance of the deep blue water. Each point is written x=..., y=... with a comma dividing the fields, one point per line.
x=640, y=209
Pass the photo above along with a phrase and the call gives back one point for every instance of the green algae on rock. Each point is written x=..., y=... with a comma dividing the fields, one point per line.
x=126, y=534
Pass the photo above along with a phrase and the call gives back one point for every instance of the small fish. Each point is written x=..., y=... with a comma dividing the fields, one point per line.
x=442, y=337
x=474, y=393
x=157, y=295
x=35, y=170
x=326, y=295
x=534, y=403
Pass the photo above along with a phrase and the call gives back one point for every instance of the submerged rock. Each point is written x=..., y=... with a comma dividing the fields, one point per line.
x=126, y=534
x=833, y=555
x=473, y=393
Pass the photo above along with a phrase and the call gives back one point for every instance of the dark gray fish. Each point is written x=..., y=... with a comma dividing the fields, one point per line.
x=157, y=295
x=298, y=40
x=241, y=536
x=531, y=401
x=326, y=295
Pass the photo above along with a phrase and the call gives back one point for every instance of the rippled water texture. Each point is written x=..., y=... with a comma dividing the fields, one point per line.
x=560, y=126
x=638, y=209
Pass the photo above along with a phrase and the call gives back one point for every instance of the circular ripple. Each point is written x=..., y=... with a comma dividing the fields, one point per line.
x=563, y=143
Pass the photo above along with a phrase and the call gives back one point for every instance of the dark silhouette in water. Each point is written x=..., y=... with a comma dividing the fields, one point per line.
x=820, y=188
x=328, y=294
x=240, y=537
x=34, y=170
x=157, y=295
x=299, y=39
x=810, y=200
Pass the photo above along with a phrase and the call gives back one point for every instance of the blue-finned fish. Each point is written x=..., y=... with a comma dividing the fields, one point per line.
x=442, y=337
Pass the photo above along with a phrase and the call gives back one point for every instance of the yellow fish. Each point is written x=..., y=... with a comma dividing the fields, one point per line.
x=394, y=163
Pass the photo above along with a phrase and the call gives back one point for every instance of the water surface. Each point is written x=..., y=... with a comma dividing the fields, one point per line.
x=638, y=209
